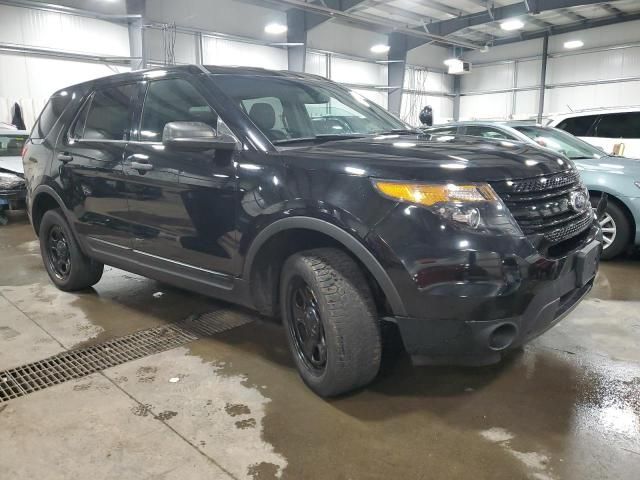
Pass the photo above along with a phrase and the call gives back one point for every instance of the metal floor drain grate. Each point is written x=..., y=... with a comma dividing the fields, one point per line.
x=81, y=362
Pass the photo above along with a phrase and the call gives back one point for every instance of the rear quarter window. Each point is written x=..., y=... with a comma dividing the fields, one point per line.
x=50, y=114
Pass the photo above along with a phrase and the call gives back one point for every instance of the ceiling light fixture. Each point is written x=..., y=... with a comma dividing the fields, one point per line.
x=380, y=48
x=275, y=28
x=513, y=24
x=571, y=44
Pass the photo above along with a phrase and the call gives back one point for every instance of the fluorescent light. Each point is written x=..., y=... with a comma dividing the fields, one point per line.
x=513, y=24
x=571, y=44
x=275, y=28
x=380, y=48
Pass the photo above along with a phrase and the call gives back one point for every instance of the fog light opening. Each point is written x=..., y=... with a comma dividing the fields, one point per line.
x=503, y=336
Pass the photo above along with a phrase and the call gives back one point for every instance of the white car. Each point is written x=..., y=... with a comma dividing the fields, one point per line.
x=614, y=131
x=12, y=186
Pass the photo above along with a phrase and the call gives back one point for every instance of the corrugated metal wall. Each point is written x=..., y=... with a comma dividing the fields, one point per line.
x=597, y=76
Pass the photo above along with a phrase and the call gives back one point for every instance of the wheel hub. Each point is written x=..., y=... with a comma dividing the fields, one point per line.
x=306, y=327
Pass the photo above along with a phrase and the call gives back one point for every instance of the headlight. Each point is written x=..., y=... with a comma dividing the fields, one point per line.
x=469, y=205
x=9, y=181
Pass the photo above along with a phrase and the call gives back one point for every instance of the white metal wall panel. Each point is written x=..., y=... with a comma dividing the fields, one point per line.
x=355, y=72
x=31, y=80
x=425, y=80
x=586, y=66
x=630, y=62
x=40, y=28
x=563, y=100
x=184, y=49
x=335, y=37
x=492, y=77
x=496, y=106
x=529, y=73
x=218, y=51
x=526, y=105
x=316, y=63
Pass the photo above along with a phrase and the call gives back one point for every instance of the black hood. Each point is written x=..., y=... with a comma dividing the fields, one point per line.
x=414, y=157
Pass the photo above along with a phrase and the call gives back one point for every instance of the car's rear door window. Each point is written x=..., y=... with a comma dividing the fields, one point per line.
x=108, y=115
x=619, y=125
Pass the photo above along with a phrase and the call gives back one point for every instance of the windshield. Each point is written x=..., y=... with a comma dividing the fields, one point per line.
x=561, y=142
x=291, y=110
x=11, y=145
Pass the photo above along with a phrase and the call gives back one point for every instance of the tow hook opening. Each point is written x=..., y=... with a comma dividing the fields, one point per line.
x=502, y=336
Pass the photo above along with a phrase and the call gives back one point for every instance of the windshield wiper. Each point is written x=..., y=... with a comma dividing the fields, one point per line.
x=323, y=137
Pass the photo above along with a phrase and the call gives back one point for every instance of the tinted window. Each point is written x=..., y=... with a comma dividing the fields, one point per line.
x=619, y=125
x=50, y=114
x=173, y=100
x=486, y=132
x=11, y=145
x=578, y=126
x=108, y=115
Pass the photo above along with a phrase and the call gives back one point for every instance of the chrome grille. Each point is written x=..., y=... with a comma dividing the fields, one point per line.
x=542, y=205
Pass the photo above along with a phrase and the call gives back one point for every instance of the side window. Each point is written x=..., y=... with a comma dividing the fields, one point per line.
x=486, y=132
x=77, y=129
x=50, y=114
x=173, y=100
x=107, y=117
x=578, y=126
x=619, y=125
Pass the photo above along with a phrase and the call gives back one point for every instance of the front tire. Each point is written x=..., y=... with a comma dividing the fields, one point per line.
x=616, y=229
x=331, y=321
x=69, y=269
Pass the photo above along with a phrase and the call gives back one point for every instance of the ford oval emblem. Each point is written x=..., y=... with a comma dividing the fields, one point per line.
x=578, y=201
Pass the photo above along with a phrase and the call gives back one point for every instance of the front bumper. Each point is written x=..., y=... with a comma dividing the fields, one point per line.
x=469, y=306
x=15, y=199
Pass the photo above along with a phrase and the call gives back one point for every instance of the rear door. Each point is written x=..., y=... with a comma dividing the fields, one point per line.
x=618, y=128
x=182, y=203
x=90, y=170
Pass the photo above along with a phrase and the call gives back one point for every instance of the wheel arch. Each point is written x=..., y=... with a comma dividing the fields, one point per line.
x=627, y=211
x=323, y=233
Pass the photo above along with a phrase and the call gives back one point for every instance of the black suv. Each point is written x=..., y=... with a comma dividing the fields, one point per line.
x=299, y=198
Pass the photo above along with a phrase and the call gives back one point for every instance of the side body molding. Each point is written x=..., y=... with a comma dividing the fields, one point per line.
x=341, y=236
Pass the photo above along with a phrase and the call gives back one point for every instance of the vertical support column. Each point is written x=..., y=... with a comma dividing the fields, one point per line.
x=296, y=33
x=456, y=99
x=543, y=76
x=137, y=48
x=199, y=49
x=395, y=70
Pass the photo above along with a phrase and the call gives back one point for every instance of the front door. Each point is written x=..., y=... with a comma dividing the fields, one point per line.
x=181, y=203
x=90, y=167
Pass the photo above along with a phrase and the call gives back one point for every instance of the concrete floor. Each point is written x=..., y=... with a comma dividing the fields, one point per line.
x=568, y=407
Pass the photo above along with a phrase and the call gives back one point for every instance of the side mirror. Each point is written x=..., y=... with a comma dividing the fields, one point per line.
x=194, y=137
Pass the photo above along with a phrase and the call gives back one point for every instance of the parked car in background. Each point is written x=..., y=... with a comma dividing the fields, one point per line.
x=12, y=185
x=618, y=177
x=614, y=131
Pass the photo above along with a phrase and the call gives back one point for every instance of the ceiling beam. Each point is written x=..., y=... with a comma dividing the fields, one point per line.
x=558, y=29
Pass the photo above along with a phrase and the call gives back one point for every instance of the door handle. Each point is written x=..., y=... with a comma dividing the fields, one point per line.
x=65, y=157
x=141, y=167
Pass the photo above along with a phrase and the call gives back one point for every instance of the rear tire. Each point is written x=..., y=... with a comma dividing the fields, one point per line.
x=68, y=268
x=616, y=229
x=325, y=299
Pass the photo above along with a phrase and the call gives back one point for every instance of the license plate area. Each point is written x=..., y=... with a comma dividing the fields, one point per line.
x=587, y=261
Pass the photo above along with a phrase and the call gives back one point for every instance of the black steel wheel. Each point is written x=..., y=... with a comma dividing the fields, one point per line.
x=331, y=321
x=58, y=254
x=68, y=267
x=306, y=326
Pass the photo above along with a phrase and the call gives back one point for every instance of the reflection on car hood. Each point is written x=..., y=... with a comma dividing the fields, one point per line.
x=13, y=164
x=416, y=157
